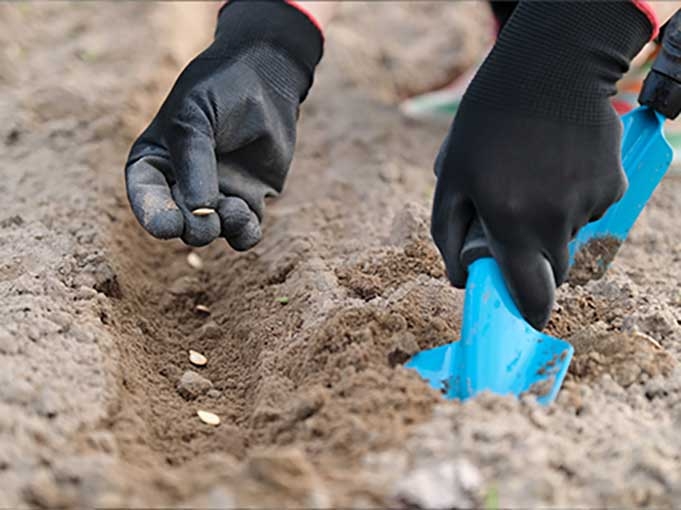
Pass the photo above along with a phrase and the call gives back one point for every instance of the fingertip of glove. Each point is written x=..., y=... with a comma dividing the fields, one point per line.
x=164, y=225
x=537, y=316
x=159, y=215
x=240, y=225
x=200, y=231
x=532, y=286
x=457, y=277
x=247, y=238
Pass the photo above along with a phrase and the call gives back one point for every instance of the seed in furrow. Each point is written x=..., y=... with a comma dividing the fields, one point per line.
x=196, y=358
x=194, y=261
x=208, y=418
x=202, y=309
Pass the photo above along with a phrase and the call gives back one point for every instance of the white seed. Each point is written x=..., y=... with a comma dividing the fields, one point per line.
x=203, y=211
x=202, y=309
x=194, y=260
x=196, y=358
x=648, y=338
x=208, y=418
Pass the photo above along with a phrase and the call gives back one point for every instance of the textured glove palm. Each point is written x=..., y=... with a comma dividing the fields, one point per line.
x=224, y=138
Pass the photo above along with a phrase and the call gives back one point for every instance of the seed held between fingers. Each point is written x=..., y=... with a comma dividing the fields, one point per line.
x=208, y=418
x=203, y=211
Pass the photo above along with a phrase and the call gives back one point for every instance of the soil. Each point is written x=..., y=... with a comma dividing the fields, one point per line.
x=305, y=335
x=593, y=259
x=412, y=57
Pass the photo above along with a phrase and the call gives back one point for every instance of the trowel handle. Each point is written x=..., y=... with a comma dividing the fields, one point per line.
x=662, y=87
x=475, y=245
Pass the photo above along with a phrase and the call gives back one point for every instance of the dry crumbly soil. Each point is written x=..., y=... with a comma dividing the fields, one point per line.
x=307, y=332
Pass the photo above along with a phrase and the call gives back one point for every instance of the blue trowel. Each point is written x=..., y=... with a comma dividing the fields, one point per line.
x=646, y=156
x=498, y=350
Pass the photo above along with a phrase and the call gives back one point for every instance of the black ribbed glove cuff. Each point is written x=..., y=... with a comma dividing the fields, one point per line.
x=561, y=60
x=245, y=24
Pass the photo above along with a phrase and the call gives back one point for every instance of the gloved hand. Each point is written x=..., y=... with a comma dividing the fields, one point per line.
x=534, y=150
x=224, y=137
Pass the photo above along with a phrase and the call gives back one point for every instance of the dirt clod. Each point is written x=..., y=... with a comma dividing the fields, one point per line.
x=404, y=347
x=625, y=357
x=192, y=385
x=449, y=484
x=542, y=388
x=593, y=259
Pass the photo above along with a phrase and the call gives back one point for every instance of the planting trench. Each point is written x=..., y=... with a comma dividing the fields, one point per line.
x=306, y=332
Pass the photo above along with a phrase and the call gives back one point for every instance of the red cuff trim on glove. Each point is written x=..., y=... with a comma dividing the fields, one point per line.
x=307, y=13
x=296, y=5
x=645, y=8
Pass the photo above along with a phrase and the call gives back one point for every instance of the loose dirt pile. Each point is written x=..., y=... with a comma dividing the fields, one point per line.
x=305, y=335
x=593, y=259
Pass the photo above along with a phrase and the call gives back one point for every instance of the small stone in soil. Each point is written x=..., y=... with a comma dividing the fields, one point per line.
x=196, y=358
x=208, y=417
x=209, y=330
x=191, y=385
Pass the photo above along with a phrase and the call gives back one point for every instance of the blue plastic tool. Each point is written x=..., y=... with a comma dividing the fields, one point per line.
x=499, y=351
x=646, y=156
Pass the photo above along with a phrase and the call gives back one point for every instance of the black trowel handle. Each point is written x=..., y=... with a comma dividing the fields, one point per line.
x=475, y=245
x=662, y=87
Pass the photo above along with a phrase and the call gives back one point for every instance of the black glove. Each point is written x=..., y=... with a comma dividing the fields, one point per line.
x=534, y=150
x=224, y=137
